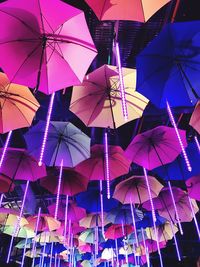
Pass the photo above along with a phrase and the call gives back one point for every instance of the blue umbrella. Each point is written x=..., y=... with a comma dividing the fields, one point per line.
x=90, y=199
x=64, y=142
x=148, y=221
x=177, y=170
x=168, y=67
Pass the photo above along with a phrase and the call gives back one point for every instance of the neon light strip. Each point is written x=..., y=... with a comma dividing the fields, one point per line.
x=197, y=143
x=1, y=199
x=175, y=208
x=43, y=253
x=145, y=247
x=5, y=148
x=134, y=223
x=24, y=251
x=122, y=89
x=175, y=240
x=51, y=255
x=194, y=216
x=101, y=202
x=34, y=241
x=117, y=253
x=46, y=129
x=107, y=171
x=58, y=191
x=171, y=117
x=66, y=215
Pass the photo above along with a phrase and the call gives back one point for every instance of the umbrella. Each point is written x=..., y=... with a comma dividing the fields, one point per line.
x=21, y=166
x=92, y=220
x=134, y=189
x=5, y=184
x=64, y=142
x=193, y=187
x=74, y=213
x=23, y=232
x=129, y=10
x=97, y=101
x=18, y=101
x=155, y=147
x=45, y=41
x=122, y=214
x=46, y=223
x=94, y=167
x=147, y=221
x=88, y=236
x=116, y=231
x=75, y=229
x=10, y=217
x=169, y=66
x=195, y=118
x=47, y=237
x=23, y=243
x=72, y=182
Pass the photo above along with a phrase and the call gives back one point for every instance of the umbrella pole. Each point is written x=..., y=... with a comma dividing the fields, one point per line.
x=117, y=253
x=197, y=143
x=46, y=129
x=58, y=191
x=43, y=253
x=171, y=117
x=101, y=201
x=134, y=223
x=17, y=225
x=176, y=243
x=153, y=216
x=107, y=170
x=145, y=247
x=194, y=216
x=5, y=148
x=24, y=252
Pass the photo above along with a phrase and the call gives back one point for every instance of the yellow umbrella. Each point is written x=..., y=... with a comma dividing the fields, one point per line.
x=97, y=101
x=47, y=237
x=10, y=217
x=92, y=220
x=23, y=232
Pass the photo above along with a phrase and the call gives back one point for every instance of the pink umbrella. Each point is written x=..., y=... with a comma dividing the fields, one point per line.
x=75, y=213
x=193, y=187
x=45, y=42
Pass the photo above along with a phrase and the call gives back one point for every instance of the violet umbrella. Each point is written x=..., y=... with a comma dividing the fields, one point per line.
x=193, y=187
x=64, y=142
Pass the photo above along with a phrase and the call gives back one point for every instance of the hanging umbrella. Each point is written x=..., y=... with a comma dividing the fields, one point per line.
x=45, y=41
x=88, y=236
x=169, y=66
x=21, y=166
x=16, y=102
x=177, y=169
x=90, y=199
x=22, y=243
x=122, y=214
x=10, y=217
x=155, y=147
x=47, y=237
x=72, y=182
x=74, y=212
x=134, y=189
x=23, y=232
x=94, y=167
x=46, y=223
x=151, y=246
x=193, y=187
x=64, y=142
x=97, y=101
x=92, y=220
x=75, y=229
x=147, y=221
x=129, y=10
x=195, y=118
x=5, y=184
x=115, y=231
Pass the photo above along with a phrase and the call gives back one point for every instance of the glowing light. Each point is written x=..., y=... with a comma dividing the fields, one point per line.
x=197, y=143
x=171, y=117
x=36, y=230
x=1, y=199
x=51, y=254
x=43, y=253
x=66, y=215
x=46, y=129
x=116, y=251
x=145, y=247
x=107, y=170
x=5, y=148
x=24, y=251
x=134, y=223
x=194, y=216
x=175, y=240
x=122, y=89
x=58, y=191
x=101, y=201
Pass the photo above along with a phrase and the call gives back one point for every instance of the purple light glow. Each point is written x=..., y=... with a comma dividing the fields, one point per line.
x=197, y=143
x=43, y=254
x=194, y=217
x=145, y=247
x=58, y=192
x=175, y=240
x=96, y=239
x=116, y=251
x=101, y=202
x=5, y=148
x=107, y=170
x=46, y=129
x=134, y=223
x=171, y=117
x=36, y=230
x=1, y=199
x=66, y=215
x=51, y=255
x=122, y=89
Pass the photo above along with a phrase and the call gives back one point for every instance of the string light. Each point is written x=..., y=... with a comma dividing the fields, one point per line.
x=197, y=143
x=175, y=240
x=107, y=170
x=5, y=148
x=58, y=191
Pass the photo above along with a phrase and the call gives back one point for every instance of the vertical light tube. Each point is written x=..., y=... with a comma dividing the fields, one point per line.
x=197, y=143
x=176, y=243
x=121, y=79
x=145, y=247
x=5, y=148
x=134, y=223
x=36, y=230
x=194, y=217
x=107, y=169
x=101, y=202
x=43, y=254
x=117, y=252
x=171, y=117
x=46, y=130
x=58, y=191
x=51, y=254
x=1, y=199
x=66, y=215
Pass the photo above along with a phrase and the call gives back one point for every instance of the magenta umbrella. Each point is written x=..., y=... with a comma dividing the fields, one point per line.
x=193, y=187
x=45, y=43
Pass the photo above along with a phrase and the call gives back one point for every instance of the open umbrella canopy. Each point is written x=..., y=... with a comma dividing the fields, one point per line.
x=125, y=10
x=92, y=220
x=169, y=66
x=134, y=189
x=19, y=165
x=193, y=187
x=5, y=184
x=97, y=101
x=94, y=167
x=45, y=41
x=72, y=182
x=64, y=142
x=15, y=100
x=195, y=118
x=47, y=237
x=117, y=230
x=46, y=223
x=155, y=147
x=23, y=232
x=11, y=217
x=89, y=236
